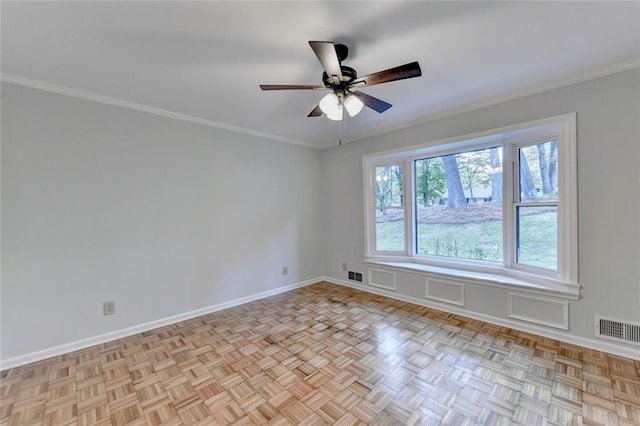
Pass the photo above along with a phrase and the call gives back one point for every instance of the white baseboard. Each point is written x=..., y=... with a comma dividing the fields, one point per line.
x=117, y=334
x=611, y=348
x=103, y=338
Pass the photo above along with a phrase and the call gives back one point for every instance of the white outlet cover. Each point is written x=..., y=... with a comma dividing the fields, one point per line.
x=109, y=308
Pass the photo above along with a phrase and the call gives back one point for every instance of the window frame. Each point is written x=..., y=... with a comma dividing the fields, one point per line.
x=516, y=202
x=373, y=206
x=511, y=138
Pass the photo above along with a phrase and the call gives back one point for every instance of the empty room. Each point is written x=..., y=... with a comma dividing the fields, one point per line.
x=325, y=212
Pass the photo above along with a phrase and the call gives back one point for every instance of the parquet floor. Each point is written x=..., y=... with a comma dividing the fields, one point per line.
x=326, y=354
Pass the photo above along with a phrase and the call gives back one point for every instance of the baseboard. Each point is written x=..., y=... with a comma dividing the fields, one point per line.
x=540, y=331
x=107, y=337
x=113, y=335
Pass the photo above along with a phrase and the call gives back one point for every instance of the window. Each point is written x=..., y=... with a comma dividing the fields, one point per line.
x=536, y=205
x=458, y=205
x=390, y=217
x=501, y=202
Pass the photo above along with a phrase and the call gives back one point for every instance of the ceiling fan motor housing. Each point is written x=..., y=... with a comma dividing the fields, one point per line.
x=348, y=74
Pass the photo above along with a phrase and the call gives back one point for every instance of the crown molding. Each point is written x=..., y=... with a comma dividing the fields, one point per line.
x=513, y=95
x=89, y=96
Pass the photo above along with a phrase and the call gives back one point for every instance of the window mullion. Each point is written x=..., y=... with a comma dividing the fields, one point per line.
x=409, y=185
x=509, y=181
x=514, y=160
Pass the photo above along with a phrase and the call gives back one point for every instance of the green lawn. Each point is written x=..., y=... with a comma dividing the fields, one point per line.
x=479, y=240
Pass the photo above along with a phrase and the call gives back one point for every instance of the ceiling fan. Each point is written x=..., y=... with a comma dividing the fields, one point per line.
x=344, y=83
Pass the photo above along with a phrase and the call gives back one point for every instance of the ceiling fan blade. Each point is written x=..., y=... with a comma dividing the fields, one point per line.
x=316, y=112
x=374, y=103
x=326, y=53
x=392, y=74
x=290, y=87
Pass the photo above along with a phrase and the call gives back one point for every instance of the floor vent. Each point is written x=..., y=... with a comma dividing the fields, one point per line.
x=618, y=330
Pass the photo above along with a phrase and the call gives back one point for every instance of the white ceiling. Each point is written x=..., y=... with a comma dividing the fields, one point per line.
x=205, y=60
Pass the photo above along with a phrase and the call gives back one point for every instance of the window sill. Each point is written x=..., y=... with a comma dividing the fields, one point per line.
x=547, y=287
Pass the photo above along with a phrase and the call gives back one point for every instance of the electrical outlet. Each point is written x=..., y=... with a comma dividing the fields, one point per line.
x=285, y=270
x=344, y=267
x=109, y=308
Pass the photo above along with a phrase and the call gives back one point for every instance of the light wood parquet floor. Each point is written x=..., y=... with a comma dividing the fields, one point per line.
x=326, y=354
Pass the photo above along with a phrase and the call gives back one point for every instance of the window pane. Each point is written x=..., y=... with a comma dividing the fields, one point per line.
x=538, y=236
x=390, y=230
x=389, y=185
x=459, y=205
x=539, y=172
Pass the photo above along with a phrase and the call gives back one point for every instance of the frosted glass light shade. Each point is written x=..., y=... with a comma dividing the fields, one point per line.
x=353, y=105
x=330, y=104
x=336, y=115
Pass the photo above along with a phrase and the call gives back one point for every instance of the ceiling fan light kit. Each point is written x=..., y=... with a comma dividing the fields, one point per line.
x=344, y=83
x=333, y=106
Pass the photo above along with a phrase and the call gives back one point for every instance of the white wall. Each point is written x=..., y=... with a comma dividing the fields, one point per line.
x=608, y=115
x=164, y=217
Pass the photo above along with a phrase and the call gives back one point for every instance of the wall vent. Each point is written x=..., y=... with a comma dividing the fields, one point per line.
x=618, y=330
x=355, y=276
